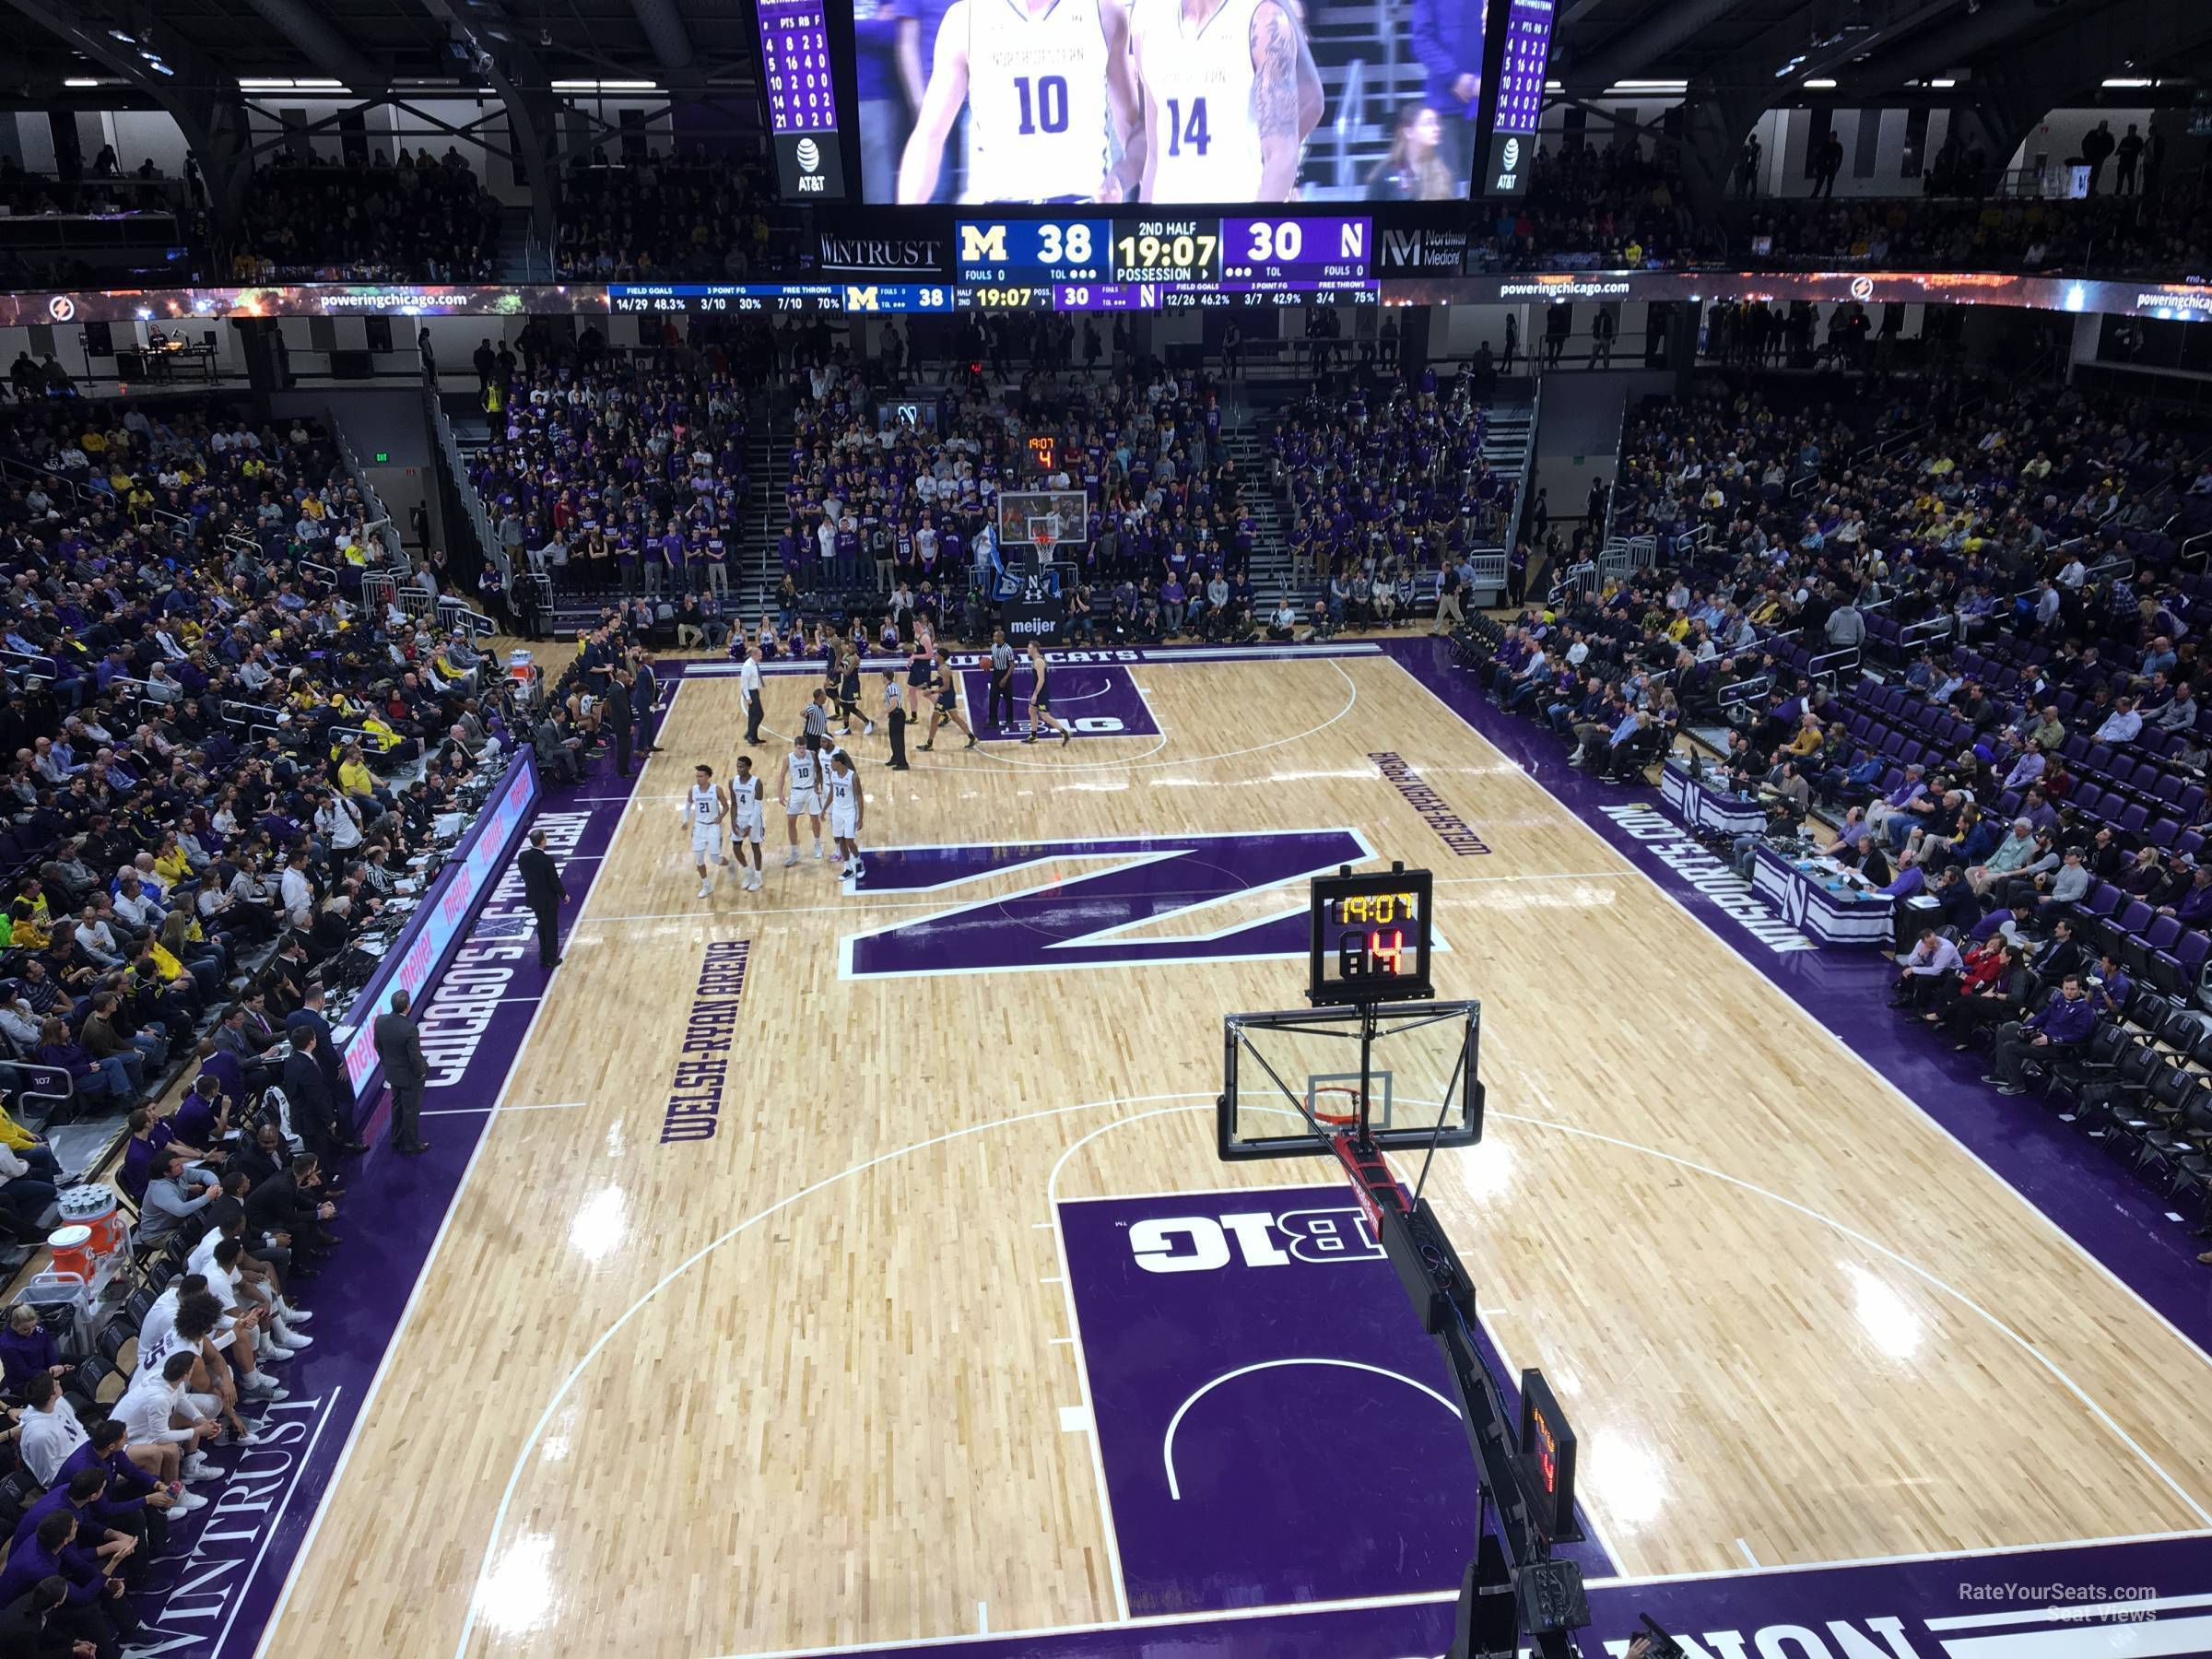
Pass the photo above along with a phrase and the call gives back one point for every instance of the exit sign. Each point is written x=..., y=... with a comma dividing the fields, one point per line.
x=383, y=455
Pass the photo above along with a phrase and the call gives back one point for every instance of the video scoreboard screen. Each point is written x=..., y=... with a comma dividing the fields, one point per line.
x=1132, y=261
x=1524, y=56
x=801, y=95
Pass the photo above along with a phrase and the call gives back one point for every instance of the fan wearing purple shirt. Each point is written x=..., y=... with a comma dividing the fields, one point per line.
x=2060, y=1024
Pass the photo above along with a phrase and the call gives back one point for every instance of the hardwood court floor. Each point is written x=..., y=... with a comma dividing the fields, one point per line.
x=799, y=1384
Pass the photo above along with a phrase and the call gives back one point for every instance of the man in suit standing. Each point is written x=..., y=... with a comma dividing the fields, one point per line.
x=644, y=702
x=399, y=1046
x=543, y=890
x=309, y=1096
x=337, y=1088
x=620, y=717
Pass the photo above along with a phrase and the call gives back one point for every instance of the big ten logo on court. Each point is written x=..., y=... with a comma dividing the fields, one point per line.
x=1098, y=725
x=1252, y=1238
x=693, y=1110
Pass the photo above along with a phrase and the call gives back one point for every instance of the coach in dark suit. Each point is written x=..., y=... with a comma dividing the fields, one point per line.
x=399, y=1046
x=309, y=1096
x=644, y=698
x=336, y=1087
x=542, y=890
x=620, y=717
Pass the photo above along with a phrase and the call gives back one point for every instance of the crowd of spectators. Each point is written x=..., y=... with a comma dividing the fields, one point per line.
x=2096, y=235
x=1389, y=486
x=1598, y=208
x=624, y=473
x=2029, y=770
x=698, y=215
x=220, y=763
x=413, y=217
x=887, y=518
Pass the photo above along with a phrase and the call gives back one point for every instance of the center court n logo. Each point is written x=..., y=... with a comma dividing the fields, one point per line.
x=1084, y=898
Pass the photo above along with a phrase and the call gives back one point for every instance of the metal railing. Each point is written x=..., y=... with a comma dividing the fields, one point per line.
x=1828, y=664
x=1744, y=693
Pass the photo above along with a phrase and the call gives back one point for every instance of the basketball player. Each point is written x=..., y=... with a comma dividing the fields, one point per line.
x=848, y=694
x=921, y=670
x=801, y=788
x=1040, y=701
x=847, y=806
x=703, y=812
x=1046, y=84
x=748, y=824
x=1228, y=93
x=947, y=688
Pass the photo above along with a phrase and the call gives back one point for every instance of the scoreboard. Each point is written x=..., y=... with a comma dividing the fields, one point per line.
x=799, y=88
x=1119, y=262
x=1134, y=262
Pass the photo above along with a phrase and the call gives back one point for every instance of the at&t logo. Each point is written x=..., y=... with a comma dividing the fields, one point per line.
x=809, y=155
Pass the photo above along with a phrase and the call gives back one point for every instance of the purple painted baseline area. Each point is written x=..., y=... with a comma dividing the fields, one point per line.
x=214, y=1590
x=1312, y=1479
x=1080, y=694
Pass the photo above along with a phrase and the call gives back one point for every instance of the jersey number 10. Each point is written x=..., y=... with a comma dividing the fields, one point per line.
x=1048, y=112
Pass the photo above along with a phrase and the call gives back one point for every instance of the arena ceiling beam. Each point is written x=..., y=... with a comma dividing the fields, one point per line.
x=1965, y=44
x=500, y=55
x=324, y=45
x=665, y=33
x=132, y=42
x=1635, y=48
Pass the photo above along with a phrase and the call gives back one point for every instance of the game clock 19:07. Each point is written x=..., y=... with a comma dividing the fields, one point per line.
x=1371, y=938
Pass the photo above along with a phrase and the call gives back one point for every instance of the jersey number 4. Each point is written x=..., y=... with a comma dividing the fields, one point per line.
x=1189, y=134
x=1046, y=110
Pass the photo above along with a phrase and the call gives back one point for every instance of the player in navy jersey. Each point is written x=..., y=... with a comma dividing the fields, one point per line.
x=945, y=693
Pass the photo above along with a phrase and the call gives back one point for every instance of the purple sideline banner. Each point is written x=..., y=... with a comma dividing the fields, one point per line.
x=441, y=922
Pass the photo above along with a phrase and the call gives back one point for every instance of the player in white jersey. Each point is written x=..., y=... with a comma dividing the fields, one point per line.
x=703, y=811
x=1229, y=92
x=748, y=824
x=848, y=808
x=801, y=788
x=1052, y=107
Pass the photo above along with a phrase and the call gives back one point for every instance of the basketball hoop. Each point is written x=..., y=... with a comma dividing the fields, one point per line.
x=1336, y=1107
x=1043, y=542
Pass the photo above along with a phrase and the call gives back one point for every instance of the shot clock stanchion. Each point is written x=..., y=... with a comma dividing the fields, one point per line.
x=1373, y=1066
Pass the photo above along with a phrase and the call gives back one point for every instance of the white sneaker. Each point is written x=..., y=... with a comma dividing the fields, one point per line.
x=252, y=1437
x=818, y=849
x=186, y=1502
x=705, y=887
x=292, y=1339
x=791, y=858
x=868, y=729
x=198, y=1469
x=291, y=1315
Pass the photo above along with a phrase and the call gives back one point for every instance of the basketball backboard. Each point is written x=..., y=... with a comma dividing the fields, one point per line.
x=1028, y=516
x=1292, y=1079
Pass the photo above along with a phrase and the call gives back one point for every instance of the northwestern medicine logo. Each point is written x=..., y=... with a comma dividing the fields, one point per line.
x=1091, y=917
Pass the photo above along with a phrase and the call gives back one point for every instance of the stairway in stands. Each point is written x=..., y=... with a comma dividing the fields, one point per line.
x=1508, y=446
x=754, y=573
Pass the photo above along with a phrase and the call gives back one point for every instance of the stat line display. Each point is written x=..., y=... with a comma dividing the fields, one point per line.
x=798, y=85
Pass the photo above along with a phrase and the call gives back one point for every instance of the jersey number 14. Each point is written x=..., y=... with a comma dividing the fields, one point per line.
x=1186, y=135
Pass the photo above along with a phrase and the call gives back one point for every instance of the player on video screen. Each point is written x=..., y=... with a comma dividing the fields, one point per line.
x=1052, y=107
x=1230, y=94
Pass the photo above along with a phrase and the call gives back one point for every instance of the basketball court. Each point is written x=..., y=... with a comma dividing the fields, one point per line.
x=850, y=1264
